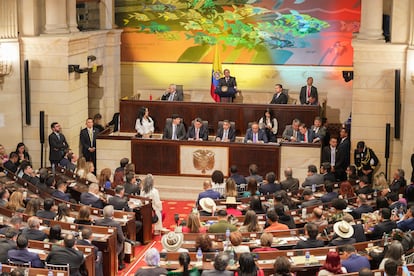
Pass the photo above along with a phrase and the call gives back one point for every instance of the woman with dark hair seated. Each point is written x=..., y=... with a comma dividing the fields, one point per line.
x=282, y=266
x=256, y=205
x=204, y=243
x=184, y=269
x=251, y=188
x=55, y=234
x=84, y=216
x=247, y=266
x=251, y=223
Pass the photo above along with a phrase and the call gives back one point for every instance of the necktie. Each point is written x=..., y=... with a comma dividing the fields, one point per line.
x=332, y=156
x=197, y=130
x=254, y=137
x=306, y=137
x=90, y=135
x=227, y=80
x=171, y=97
x=225, y=135
x=174, y=134
x=295, y=134
x=309, y=90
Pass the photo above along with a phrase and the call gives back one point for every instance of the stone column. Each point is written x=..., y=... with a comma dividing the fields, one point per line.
x=56, y=17
x=71, y=16
x=371, y=20
x=106, y=14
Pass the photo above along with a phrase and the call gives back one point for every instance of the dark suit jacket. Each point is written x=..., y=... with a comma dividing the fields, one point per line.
x=5, y=246
x=313, y=179
x=91, y=200
x=291, y=184
x=359, y=233
x=120, y=234
x=178, y=96
x=269, y=188
x=61, y=195
x=261, y=136
x=115, y=121
x=62, y=255
x=303, y=91
x=57, y=146
x=168, y=132
x=356, y=213
x=86, y=143
x=45, y=214
x=311, y=136
x=231, y=134
x=309, y=244
x=131, y=188
x=239, y=179
x=329, y=176
x=203, y=133
x=282, y=99
x=365, y=190
x=119, y=203
x=381, y=228
x=10, y=166
x=34, y=234
x=24, y=256
x=31, y=179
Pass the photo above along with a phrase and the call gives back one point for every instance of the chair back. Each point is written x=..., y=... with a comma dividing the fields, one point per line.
x=64, y=267
x=232, y=124
x=19, y=264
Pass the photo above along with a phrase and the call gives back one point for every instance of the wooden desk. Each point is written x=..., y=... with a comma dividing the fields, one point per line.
x=36, y=271
x=241, y=114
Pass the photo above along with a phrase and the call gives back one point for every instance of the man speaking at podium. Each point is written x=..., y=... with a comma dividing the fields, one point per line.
x=227, y=87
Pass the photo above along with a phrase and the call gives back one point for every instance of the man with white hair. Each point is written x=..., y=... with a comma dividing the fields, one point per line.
x=92, y=197
x=108, y=213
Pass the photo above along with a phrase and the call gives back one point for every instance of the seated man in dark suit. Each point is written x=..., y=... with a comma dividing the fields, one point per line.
x=197, y=131
x=362, y=208
x=290, y=184
x=131, y=185
x=118, y=201
x=279, y=97
x=226, y=133
x=60, y=191
x=270, y=187
x=87, y=237
x=47, y=212
x=171, y=94
x=7, y=243
x=313, y=177
x=22, y=254
x=32, y=231
x=175, y=130
x=67, y=254
x=326, y=172
x=239, y=179
x=11, y=164
x=309, y=199
x=385, y=226
x=255, y=135
x=364, y=186
x=92, y=197
x=330, y=194
x=306, y=135
x=108, y=213
x=311, y=230
x=29, y=175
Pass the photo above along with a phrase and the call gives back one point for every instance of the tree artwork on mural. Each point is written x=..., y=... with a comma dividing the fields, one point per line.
x=248, y=31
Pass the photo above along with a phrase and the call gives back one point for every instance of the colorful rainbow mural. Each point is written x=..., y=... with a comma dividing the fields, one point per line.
x=288, y=32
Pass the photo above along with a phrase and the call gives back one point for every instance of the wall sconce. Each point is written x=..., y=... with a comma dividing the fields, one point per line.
x=5, y=69
x=348, y=75
x=76, y=68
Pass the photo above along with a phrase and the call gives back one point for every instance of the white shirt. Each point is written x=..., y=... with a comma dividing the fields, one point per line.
x=263, y=124
x=146, y=127
x=155, y=196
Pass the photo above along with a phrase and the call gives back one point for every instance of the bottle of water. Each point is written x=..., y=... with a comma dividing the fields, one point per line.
x=375, y=193
x=50, y=273
x=199, y=257
x=313, y=188
x=231, y=258
x=227, y=243
x=1, y=267
x=307, y=258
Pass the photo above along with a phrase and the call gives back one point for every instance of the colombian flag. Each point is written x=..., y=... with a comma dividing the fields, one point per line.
x=215, y=75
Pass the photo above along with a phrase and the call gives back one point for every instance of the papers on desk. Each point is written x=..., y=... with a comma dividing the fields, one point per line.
x=262, y=262
x=134, y=201
x=284, y=240
x=73, y=184
x=167, y=263
x=301, y=260
x=37, y=251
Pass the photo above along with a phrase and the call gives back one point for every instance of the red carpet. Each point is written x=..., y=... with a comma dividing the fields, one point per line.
x=170, y=208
